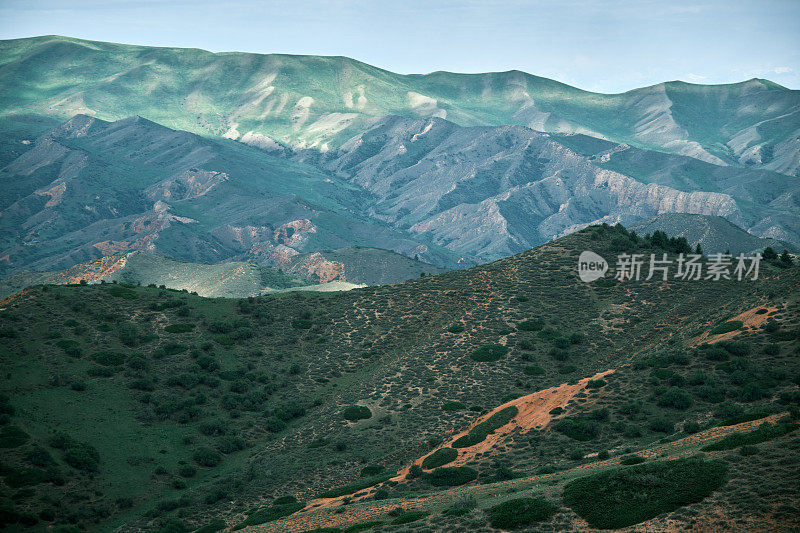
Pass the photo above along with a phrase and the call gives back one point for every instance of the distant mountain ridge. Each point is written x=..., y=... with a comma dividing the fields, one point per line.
x=320, y=102
x=714, y=234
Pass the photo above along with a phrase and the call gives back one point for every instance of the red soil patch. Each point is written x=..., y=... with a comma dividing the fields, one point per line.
x=748, y=318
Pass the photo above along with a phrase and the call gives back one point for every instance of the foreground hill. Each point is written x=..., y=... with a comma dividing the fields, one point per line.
x=137, y=407
x=310, y=101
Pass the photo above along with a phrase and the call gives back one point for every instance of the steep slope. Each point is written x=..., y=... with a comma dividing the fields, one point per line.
x=90, y=188
x=493, y=191
x=141, y=408
x=713, y=234
x=310, y=101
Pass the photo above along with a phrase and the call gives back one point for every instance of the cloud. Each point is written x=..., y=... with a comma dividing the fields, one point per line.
x=782, y=70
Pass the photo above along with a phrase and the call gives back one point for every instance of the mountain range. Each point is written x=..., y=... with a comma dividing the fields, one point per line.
x=207, y=157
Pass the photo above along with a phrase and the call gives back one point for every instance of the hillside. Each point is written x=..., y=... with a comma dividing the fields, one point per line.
x=713, y=234
x=320, y=102
x=425, y=188
x=234, y=279
x=140, y=407
x=89, y=188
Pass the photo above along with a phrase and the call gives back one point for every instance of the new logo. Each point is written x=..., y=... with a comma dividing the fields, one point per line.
x=591, y=266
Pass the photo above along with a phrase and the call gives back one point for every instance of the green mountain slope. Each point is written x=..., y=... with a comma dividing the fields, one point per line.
x=319, y=102
x=141, y=408
x=713, y=234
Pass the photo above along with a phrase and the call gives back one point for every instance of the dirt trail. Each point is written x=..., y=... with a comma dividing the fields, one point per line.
x=748, y=318
x=533, y=413
x=374, y=510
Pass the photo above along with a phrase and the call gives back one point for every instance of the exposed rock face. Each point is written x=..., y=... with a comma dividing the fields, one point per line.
x=490, y=192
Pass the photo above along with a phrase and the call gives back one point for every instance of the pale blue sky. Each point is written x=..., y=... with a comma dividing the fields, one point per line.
x=602, y=45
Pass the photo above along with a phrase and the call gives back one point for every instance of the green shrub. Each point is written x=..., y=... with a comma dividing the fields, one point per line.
x=12, y=437
x=675, y=398
x=356, y=486
x=456, y=328
x=410, y=516
x=302, y=323
x=179, y=328
x=271, y=513
x=520, y=512
x=481, y=431
x=122, y=292
x=218, y=524
x=371, y=470
x=489, y=353
x=595, y=384
x=451, y=476
x=440, y=457
x=661, y=425
x=207, y=457
x=578, y=428
x=108, y=358
x=763, y=433
x=356, y=412
x=530, y=325
x=533, y=370
x=626, y=496
x=453, y=406
x=727, y=327
x=82, y=456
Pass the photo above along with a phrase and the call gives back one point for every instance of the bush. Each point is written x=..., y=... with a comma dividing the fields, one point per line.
x=727, y=327
x=481, y=431
x=371, y=470
x=356, y=412
x=453, y=406
x=271, y=513
x=356, y=486
x=451, y=476
x=764, y=433
x=108, y=358
x=533, y=370
x=456, y=328
x=675, y=398
x=12, y=437
x=179, y=328
x=661, y=425
x=410, y=516
x=530, y=325
x=520, y=512
x=595, y=384
x=578, y=428
x=489, y=353
x=626, y=496
x=207, y=457
x=82, y=456
x=440, y=457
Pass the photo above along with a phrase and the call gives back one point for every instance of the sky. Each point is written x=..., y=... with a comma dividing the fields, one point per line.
x=599, y=45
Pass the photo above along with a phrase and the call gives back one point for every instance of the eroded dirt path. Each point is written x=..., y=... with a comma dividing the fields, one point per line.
x=533, y=413
x=749, y=319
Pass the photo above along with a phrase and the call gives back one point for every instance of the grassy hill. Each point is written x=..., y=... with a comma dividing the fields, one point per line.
x=131, y=407
x=312, y=101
